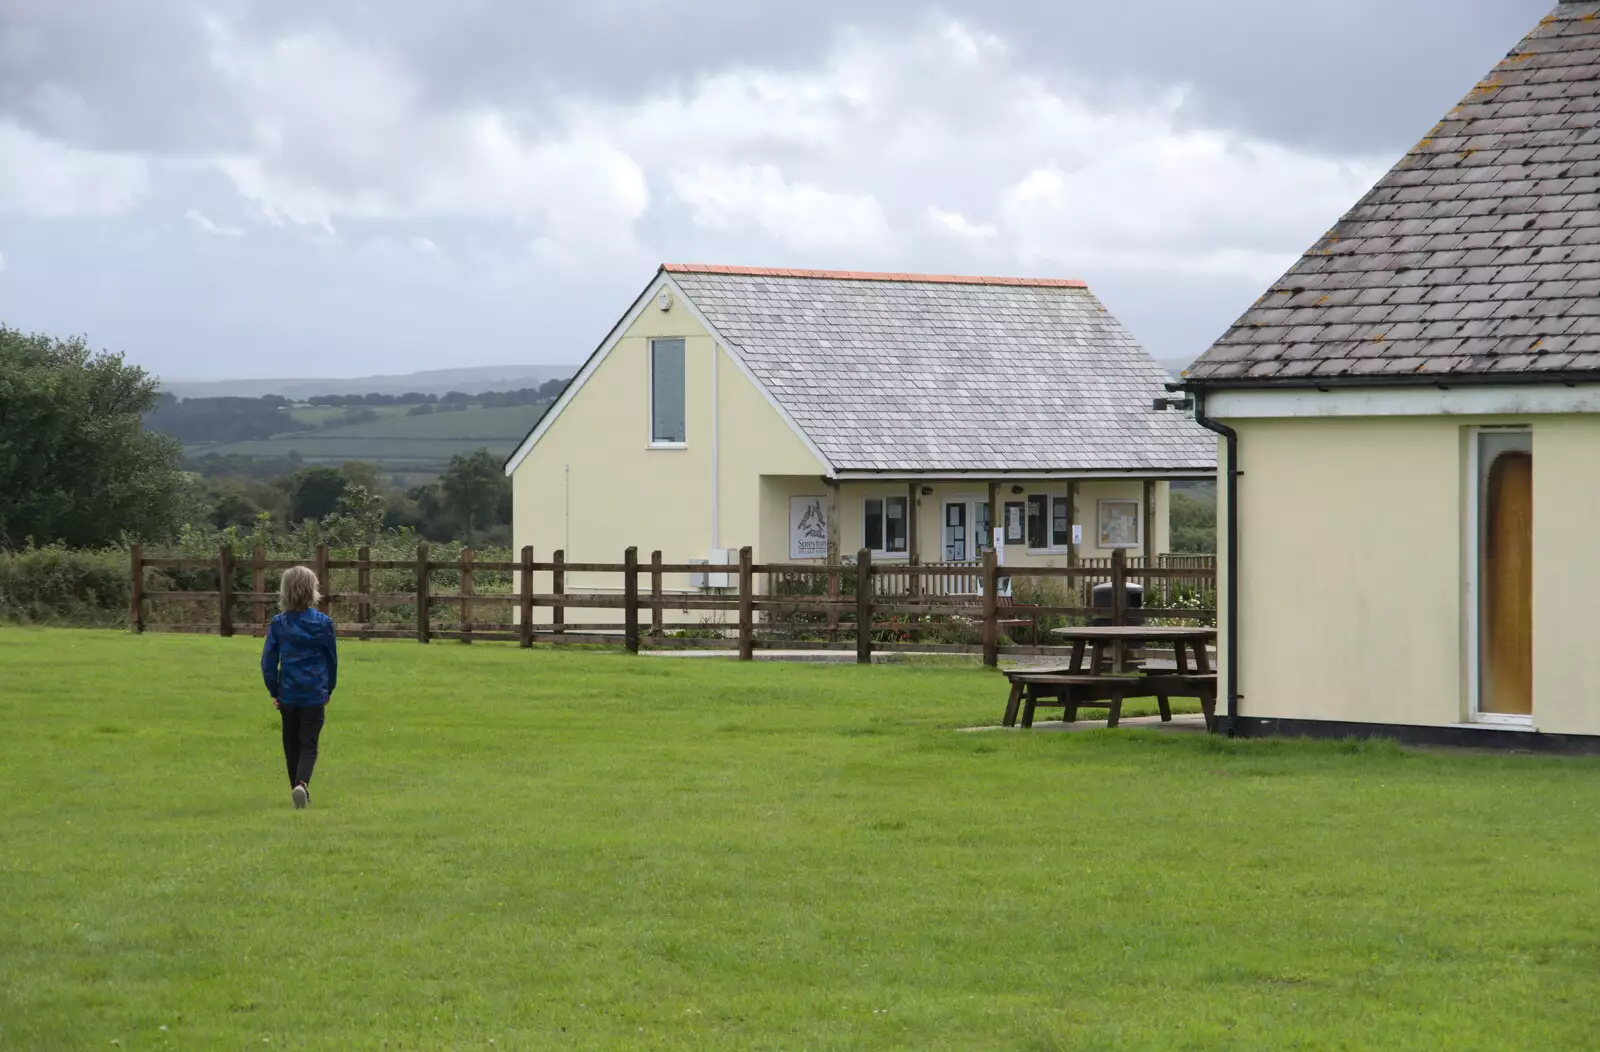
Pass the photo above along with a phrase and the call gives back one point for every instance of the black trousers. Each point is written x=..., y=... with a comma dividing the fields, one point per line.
x=302, y=726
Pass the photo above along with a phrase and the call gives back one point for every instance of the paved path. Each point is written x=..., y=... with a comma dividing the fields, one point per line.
x=1181, y=724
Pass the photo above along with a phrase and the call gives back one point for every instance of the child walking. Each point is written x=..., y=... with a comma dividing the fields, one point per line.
x=300, y=664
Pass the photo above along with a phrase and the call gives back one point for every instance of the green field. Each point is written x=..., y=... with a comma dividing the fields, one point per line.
x=319, y=415
x=583, y=850
x=395, y=439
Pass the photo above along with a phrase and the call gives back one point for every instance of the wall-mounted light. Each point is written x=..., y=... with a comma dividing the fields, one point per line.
x=1016, y=489
x=927, y=491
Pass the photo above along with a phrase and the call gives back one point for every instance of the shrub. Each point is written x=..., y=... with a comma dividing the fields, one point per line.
x=56, y=585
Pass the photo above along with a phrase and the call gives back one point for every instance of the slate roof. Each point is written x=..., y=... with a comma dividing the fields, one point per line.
x=1478, y=255
x=905, y=372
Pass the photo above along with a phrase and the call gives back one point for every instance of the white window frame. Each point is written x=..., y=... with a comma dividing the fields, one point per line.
x=882, y=553
x=1051, y=547
x=976, y=541
x=1472, y=510
x=650, y=381
x=1139, y=525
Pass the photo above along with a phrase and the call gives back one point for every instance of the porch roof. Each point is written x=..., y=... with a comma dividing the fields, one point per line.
x=938, y=373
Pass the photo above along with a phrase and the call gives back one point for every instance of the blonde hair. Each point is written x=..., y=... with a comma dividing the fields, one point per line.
x=298, y=589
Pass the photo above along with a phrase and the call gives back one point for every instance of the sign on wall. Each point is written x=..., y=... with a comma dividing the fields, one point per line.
x=808, y=528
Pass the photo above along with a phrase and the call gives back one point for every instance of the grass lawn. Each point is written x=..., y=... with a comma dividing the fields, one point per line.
x=586, y=851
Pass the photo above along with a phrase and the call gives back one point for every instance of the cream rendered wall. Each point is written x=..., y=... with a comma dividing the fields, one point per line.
x=758, y=444
x=593, y=486
x=1353, y=570
x=1566, y=574
x=1350, y=589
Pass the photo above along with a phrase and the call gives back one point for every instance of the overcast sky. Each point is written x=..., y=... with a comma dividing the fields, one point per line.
x=342, y=187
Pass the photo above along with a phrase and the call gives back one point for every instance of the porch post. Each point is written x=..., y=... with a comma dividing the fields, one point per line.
x=1149, y=522
x=1072, y=520
x=913, y=541
x=996, y=517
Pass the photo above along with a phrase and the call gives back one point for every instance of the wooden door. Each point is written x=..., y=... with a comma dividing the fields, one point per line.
x=1506, y=615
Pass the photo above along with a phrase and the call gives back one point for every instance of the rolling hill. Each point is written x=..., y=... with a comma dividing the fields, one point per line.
x=472, y=380
x=399, y=442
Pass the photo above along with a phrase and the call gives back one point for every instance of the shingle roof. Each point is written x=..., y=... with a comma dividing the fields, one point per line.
x=903, y=372
x=1477, y=255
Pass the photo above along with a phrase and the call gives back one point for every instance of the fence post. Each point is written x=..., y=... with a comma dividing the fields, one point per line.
x=136, y=592
x=558, y=587
x=258, y=584
x=1119, y=587
x=991, y=609
x=833, y=600
x=630, y=599
x=424, y=628
x=747, y=589
x=656, y=609
x=864, y=607
x=364, y=586
x=225, y=590
x=466, y=590
x=322, y=577
x=525, y=628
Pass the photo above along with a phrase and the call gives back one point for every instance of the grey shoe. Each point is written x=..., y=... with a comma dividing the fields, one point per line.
x=302, y=797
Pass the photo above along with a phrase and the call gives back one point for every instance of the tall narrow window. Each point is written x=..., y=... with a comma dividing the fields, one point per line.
x=982, y=529
x=885, y=525
x=896, y=524
x=667, y=416
x=1060, y=522
x=1505, y=573
x=872, y=534
x=1038, y=522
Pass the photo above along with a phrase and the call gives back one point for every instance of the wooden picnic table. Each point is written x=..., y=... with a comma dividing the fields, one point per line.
x=1115, y=641
x=1092, y=684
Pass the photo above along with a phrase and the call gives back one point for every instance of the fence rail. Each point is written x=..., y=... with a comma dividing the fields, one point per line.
x=863, y=605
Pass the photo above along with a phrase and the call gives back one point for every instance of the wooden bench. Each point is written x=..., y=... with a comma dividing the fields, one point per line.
x=1033, y=688
x=1004, y=605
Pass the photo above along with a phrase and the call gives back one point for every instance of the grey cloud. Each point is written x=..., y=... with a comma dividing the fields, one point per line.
x=1349, y=76
x=1357, y=79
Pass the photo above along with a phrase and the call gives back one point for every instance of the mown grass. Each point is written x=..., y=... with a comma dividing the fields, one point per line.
x=588, y=851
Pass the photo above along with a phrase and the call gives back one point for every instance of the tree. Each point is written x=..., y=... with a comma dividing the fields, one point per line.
x=1194, y=523
x=76, y=463
x=475, y=487
x=316, y=493
x=234, y=507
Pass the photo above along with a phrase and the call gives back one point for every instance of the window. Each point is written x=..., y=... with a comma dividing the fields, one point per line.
x=1060, y=522
x=1038, y=526
x=885, y=525
x=982, y=527
x=667, y=426
x=1119, y=524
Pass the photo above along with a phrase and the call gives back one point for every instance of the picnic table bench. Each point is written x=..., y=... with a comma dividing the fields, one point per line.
x=1092, y=685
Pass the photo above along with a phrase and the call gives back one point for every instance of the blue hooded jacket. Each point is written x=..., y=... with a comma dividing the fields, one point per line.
x=300, y=661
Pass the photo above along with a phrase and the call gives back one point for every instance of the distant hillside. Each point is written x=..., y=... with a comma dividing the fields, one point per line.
x=395, y=440
x=473, y=380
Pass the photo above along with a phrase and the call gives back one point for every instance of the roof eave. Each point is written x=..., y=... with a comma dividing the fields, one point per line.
x=1447, y=380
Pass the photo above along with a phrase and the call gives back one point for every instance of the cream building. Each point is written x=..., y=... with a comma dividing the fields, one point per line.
x=810, y=414
x=1411, y=436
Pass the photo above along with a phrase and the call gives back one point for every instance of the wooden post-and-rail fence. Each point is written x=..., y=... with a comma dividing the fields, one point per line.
x=745, y=617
